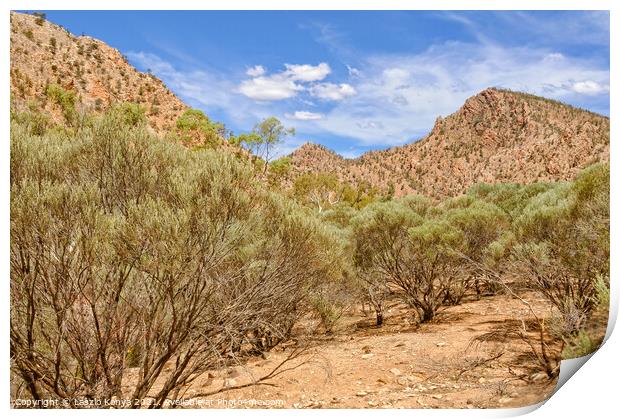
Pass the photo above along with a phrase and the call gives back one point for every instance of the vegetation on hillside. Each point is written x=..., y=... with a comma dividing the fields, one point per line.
x=129, y=250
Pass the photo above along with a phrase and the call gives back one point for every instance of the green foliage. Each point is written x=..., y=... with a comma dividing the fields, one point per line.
x=196, y=127
x=319, y=190
x=264, y=137
x=329, y=312
x=66, y=99
x=144, y=252
x=579, y=345
x=409, y=254
x=280, y=168
x=563, y=243
x=131, y=114
x=36, y=122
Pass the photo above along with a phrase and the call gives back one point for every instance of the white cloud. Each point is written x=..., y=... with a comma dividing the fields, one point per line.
x=590, y=87
x=283, y=85
x=305, y=116
x=257, y=70
x=396, y=98
x=400, y=96
x=307, y=72
x=353, y=72
x=331, y=91
x=276, y=87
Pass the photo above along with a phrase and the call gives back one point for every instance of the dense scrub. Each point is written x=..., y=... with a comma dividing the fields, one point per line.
x=132, y=251
x=128, y=251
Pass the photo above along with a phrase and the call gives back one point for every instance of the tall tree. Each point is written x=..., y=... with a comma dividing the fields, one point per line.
x=264, y=137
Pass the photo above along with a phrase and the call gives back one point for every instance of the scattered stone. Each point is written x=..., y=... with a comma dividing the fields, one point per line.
x=437, y=396
x=361, y=394
x=230, y=382
x=381, y=380
x=482, y=380
x=406, y=380
x=367, y=356
x=366, y=349
x=371, y=403
x=233, y=372
x=395, y=371
x=265, y=355
x=296, y=405
x=441, y=344
x=211, y=375
x=505, y=399
x=399, y=345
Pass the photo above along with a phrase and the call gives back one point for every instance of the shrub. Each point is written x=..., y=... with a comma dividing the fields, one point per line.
x=66, y=99
x=398, y=249
x=131, y=114
x=127, y=250
x=198, y=129
x=563, y=247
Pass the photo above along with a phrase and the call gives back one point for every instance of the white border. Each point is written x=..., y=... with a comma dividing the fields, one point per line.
x=591, y=393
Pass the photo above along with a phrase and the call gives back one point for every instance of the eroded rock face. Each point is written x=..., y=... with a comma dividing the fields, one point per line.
x=496, y=136
x=99, y=75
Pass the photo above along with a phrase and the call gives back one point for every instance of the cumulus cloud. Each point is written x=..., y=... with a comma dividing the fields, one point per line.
x=304, y=116
x=282, y=85
x=276, y=87
x=590, y=87
x=331, y=91
x=396, y=98
x=399, y=97
x=256, y=71
x=307, y=72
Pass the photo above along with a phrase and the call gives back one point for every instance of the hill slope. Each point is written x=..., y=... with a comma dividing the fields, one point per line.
x=43, y=53
x=496, y=136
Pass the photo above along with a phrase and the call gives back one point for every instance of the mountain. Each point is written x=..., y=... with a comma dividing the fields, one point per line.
x=496, y=136
x=43, y=53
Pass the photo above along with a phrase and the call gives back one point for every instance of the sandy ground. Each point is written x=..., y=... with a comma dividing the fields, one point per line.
x=400, y=365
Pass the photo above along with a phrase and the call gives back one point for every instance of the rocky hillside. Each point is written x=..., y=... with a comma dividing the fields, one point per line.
x=496, y=136
x=43, y=53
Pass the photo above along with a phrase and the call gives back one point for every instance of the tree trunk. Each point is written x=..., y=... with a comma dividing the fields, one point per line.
x=379, y=318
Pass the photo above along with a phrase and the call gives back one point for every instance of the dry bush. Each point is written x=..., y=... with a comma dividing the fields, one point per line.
x=127, y=250
x=408, y=254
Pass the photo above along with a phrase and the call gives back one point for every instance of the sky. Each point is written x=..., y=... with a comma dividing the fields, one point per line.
x=356, y=80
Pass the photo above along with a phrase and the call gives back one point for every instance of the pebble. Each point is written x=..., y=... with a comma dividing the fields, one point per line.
x=405, y=380
x=361, y=394
x=367, y=356
x=395, y=371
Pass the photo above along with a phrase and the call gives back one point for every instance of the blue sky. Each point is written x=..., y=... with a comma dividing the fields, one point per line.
x=356, y=81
